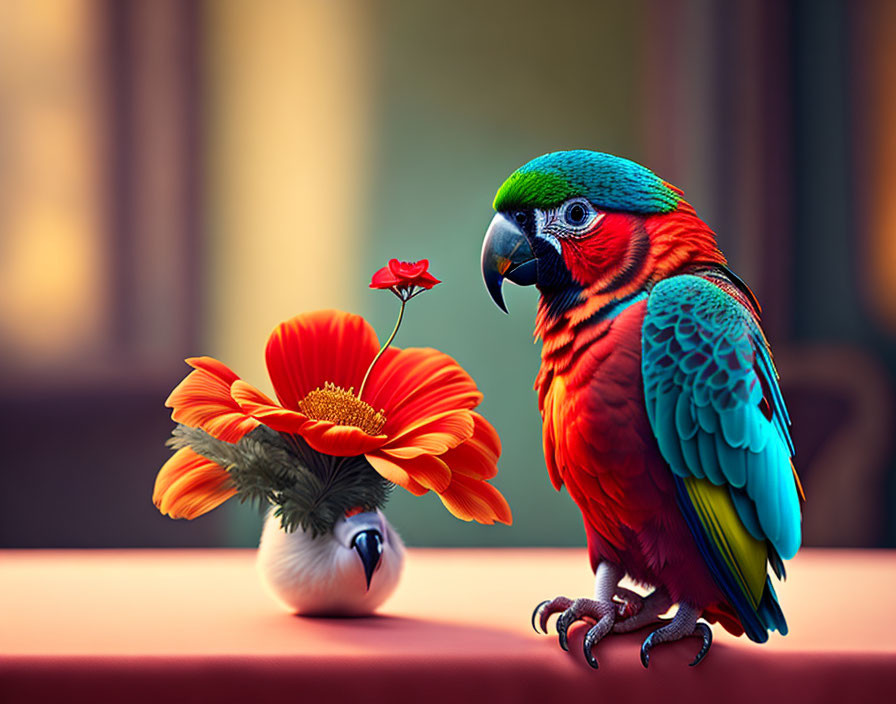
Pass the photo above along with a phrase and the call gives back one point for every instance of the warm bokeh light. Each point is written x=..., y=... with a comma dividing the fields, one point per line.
x=878, y=117
x=288, y=128
x=53, y=246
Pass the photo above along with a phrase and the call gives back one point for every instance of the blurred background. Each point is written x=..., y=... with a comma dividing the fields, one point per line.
x=177, y=177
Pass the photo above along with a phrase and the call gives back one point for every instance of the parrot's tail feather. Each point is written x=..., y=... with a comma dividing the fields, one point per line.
x=777, y=563
x=756, y=621
x=770, y=610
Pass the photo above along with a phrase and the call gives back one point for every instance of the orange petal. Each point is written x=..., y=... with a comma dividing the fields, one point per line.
x=417, y=475
x=264, y=409
x=432, y=435
x=202, y=400
x=478, y=456
x=339, y=440
x=189, y=485
x=473, y=500
x=213, y=367
x=412, y=384
x=313, y=348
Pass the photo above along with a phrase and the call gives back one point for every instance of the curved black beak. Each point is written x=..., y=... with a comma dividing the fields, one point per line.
x=369, y=544
x=506, y=254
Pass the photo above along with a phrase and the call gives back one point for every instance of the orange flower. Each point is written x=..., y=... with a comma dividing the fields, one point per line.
x=414, y=422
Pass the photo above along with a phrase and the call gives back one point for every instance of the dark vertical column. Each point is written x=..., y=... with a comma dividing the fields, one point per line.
x=661, y=123
x=152, y=59
x=775, y=224
x=752, y=155
x=114, y=16
x=725, y=87
x=824, y=275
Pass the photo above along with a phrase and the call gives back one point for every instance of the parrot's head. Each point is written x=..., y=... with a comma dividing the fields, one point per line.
x=577, y=223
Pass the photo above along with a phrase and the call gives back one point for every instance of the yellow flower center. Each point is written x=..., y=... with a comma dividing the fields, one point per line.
x=335, y=404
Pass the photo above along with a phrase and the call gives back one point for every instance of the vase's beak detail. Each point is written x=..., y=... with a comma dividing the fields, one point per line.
x=369, y=546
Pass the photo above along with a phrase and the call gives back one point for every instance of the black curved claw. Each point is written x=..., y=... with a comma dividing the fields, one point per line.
x=535, y=613
x=590, y=639
x=645, y=649
x=706, y=632
x=700, y=629
x=567, y=618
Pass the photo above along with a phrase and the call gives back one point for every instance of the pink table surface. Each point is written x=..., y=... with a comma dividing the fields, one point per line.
x=196, y=625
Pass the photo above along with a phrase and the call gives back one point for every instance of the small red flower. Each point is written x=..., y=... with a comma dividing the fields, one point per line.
x=404, y=276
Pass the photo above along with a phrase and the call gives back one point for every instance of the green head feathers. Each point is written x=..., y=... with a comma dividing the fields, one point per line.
x=609, y=182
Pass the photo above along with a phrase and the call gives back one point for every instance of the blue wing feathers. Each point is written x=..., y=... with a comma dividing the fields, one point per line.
x=781, y=418
x=708, y=418
x=701, y=390
x=735, y=425
x=709, y=460
x=724, y=394
x=758, y=433
x=669, y=442
x=768, y=508
x=732, y=461
x=690, y=451
x=746, y=509
x=790, y=529
x=714, y=404
x=685, y=422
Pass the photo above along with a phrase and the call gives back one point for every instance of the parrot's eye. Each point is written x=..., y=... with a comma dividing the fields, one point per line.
x=577, y=213
x=521, y=217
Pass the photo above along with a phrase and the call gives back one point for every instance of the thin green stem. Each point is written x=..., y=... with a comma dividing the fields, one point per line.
x=383, y=348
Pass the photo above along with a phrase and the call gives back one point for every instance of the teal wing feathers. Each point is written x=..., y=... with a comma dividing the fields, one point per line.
x=716, y=409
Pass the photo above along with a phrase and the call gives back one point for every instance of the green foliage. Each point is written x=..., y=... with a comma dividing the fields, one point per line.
x=309, y=489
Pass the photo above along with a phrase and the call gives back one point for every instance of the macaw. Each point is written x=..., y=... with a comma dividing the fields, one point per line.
x=662, y=414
